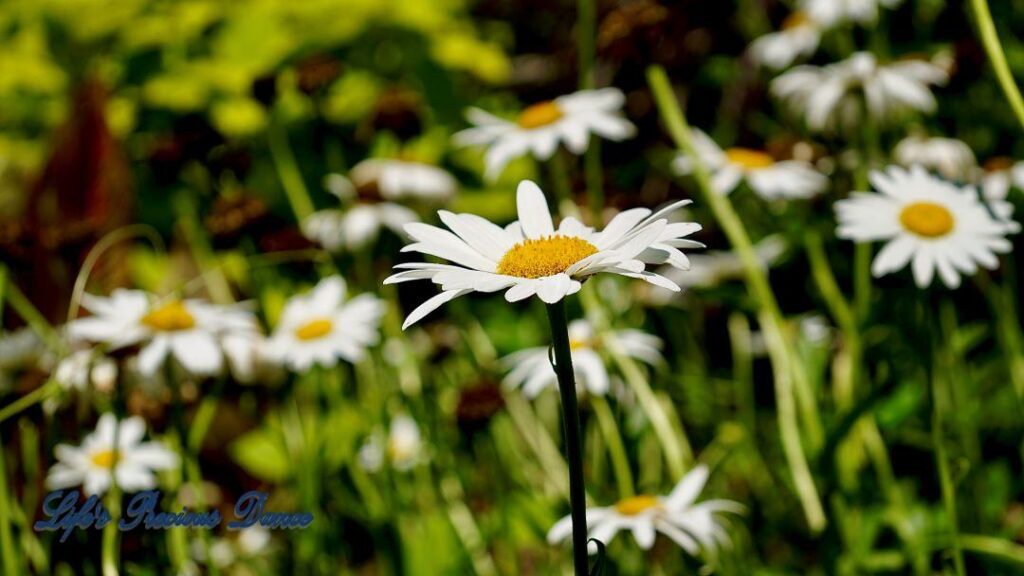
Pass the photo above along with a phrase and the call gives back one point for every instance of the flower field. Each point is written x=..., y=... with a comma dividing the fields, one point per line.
x=488, y=287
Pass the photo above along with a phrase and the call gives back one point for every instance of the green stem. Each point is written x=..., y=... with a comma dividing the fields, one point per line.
x=29, y=400
x=288, y=172
x=35, y=320
x=9, y=552
x=586, y=30
x=616, y=449
x=990, y=39
x=757, y=281
x=573, y=445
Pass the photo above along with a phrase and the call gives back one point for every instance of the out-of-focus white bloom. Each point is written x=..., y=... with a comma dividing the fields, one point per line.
x=230, y=552
x=187, y=330
x=84, y=367
x=359, y=220
x=833, y=12
x=797, y=38
x=951, y=158
x=714, y=267
x=540, y=128
x=999, y=175
x=400, y=179
x=928, y=222
x=19, y=349
x=403, y=448
x=530, y=257
x=835, y=96
x=692, y=526
x=320, y=327
x=132, y=461
x=767, y=177
x=531, y=368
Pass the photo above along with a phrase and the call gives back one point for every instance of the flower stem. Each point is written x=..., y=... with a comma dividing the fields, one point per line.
x=990, y=39
x=586, y=30
x=288, y=172
x=573, y=445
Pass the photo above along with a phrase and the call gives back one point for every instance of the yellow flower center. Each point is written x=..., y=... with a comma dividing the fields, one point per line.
x=547, y=256
x=748, y=158
x=170, y=317
x=927, y=219
x=313, y=330
x=795, y=20
x=636, y=504
x=577, y=344
x=540, y=114
x=104, y=458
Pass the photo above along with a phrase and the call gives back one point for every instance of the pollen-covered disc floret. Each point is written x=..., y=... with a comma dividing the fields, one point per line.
x=545, y=256
x=530, y=256
x=927, y=222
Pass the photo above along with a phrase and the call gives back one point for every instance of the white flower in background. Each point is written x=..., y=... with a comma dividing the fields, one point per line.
x=235, y=550
x=531, y=368
x=540, y=128
x=999, y=175
x=836, y=95
x=403, y=448
x=928, y=222
x=400, y=179
x=531, y=257
x=767, y=177
x=319, y=327
x=133, y=461
x=951, y=158
x=714, y=267
x=692, y=526
x=833, y=12
x=187, y=330
x=360, y=219
x=798, y=37
x=19, y=349
x=82, y=368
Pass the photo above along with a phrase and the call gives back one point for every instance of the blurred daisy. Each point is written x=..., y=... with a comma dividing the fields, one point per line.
x=767, y=177
x=999, y=175
x=951, y=158
x=797, y=38
x=690, y=525
x=133, y=461
x=399, y=180
x=187, y=330
x=531, y=369
x=540, y=128
x=82, y=368
x=319, y=327
x=403, y=448
x=928, y=222
x=19, y=349
x=358, y=222
x=531, y=257
x=833, y=12
x=835, y=95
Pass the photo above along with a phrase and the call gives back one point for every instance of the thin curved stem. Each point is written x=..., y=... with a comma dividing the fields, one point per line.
x=573, y=444
x=994, y=49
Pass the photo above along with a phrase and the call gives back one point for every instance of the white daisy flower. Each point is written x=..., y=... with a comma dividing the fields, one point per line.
x=403, y=448
x=319, y=327
x=999, y=175
x=928, y=222
x=692, y=526
x=531, y=257
x=531, y=368
x=836, y=95
x=798, y=37
x=400, y=179
x=19, y=349
x=540, y=128
x=951, y=158
x=187, y=330
x=82, y=368
x=133, y=461
x=364, y=212
x=833, y=12
x=767, y=177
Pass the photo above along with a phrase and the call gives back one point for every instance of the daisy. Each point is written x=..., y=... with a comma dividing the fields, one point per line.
x=769, y=178
x=81, y=368
x=19, y=349
x=319, y=327
x=531, y=368
x=187, y=330
x=928, y=222
x=540, y=128
x=833, y=12
x=837, y=94
x=690, y=525
x=531, y=257
x=363, y=214
x=133, y=462
x=403, y=449
x=400, y=179
x=951, y=158
x=797, y=38
x=999, y=175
